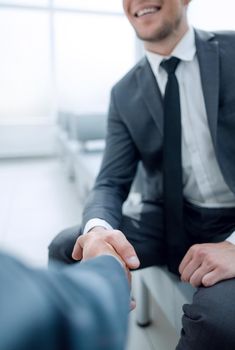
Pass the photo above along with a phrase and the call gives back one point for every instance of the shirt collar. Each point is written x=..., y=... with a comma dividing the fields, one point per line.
x=185, y=50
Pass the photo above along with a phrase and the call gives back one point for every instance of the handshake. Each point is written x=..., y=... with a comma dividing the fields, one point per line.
x=100, y=241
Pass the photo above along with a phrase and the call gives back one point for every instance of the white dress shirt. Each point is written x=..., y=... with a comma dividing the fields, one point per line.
x=203, y=181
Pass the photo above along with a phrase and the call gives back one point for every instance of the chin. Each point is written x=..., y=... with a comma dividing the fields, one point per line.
x=156, y=35
x=153, y=37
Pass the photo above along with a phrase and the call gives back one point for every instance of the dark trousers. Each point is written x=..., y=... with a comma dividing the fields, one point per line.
x=208, y=323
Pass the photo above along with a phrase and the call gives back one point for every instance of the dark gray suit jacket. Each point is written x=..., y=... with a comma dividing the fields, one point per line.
x=135, y=127
x=80, y=307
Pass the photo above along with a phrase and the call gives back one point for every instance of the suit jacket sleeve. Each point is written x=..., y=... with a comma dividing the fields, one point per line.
x=117, y=171
x=82, y=307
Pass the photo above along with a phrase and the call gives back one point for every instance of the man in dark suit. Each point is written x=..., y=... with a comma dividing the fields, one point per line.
x=81, y=307
x=175, y=113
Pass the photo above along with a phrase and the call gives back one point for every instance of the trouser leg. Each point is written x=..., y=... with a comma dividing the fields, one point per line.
x=61, y=247
x=209, y=322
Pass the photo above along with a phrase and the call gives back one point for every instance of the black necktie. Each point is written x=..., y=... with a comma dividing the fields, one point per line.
x=172, y=166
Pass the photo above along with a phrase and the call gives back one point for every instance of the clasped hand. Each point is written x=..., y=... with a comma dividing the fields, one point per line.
x=206, y=264
x=100, y=241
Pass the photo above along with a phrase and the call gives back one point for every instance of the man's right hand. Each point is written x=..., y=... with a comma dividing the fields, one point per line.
x=100, y=241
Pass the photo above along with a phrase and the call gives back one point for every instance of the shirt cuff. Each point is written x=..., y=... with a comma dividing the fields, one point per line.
x=231, y=238
x=96, y=222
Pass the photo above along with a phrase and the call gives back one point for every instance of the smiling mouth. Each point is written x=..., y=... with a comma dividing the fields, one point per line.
x=147, y=11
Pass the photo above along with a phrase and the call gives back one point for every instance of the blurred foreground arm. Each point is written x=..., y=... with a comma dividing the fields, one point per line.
x=83, y=306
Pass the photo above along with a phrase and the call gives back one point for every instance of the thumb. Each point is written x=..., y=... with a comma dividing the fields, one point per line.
x=77, y=251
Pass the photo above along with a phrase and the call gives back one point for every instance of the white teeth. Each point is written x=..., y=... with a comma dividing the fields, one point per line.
x=146, y=11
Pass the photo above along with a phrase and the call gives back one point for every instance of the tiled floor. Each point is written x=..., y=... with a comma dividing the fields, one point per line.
x=36, y=202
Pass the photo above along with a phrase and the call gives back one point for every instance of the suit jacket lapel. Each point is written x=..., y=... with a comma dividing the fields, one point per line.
x=150, y=93
x=208, y=57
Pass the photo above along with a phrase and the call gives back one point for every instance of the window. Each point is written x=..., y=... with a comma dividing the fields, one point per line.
x=91, y=5
x=92, y=53
x=25, y=84
x=25, y=2
x=85, y=54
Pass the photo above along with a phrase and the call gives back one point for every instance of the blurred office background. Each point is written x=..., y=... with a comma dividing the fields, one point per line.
x=58, y=61
x=56, y=56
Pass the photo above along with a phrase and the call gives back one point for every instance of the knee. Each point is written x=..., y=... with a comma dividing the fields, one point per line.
x=208, y=322
x=61, y=247
x=217, y=310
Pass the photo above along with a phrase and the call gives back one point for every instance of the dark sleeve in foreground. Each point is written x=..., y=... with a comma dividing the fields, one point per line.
x=82, y=307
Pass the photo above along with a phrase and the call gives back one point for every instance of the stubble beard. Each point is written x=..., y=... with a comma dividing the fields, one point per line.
x=166, y=31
